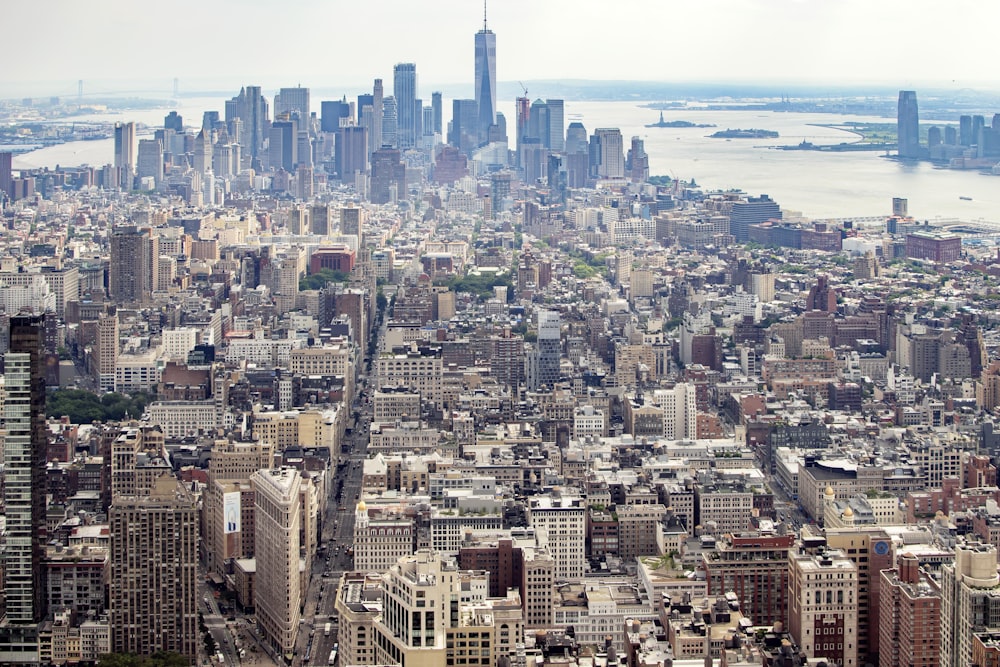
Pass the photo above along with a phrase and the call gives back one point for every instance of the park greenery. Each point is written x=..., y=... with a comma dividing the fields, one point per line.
x=84, y=407
x=481, y=284
x=321, y=279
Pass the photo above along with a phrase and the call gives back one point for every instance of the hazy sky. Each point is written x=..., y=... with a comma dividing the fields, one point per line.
x=330, y=43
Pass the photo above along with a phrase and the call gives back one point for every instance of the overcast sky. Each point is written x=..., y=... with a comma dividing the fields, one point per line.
x=330, y=43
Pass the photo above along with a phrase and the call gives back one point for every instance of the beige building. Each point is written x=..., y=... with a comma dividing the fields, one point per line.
x=277, y=525
x=379, y=543
x=392, y=404
x=359, y=603
x=423, y=374
x=435, y=614
x=564, y=520
x=138, y=457
x=155, y=608
x=823, y=607
x=970, y=600
x=106, y=351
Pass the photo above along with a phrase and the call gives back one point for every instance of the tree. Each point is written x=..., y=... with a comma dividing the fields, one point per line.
x=83, y=407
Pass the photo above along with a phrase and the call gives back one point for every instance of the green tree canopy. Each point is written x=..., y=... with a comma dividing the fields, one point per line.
x=321, y=279
x=83, y=407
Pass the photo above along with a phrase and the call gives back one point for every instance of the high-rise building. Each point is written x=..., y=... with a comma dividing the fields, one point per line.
x=637, y=161
x=125, y=150
x=150, y=160
x=869, y=548
x=375, y=131
x=462, y=130
x=390, y=123
x=755, y=568
x=970, y=599
x=910, y=610
x=486, y=77
x=154, y=571
x=134, y=256
x=564, y=519
x=908, y=125
x=435, y=614
x=332, y=112
x=351, y=152
x=293, y=101
x=388, y=176
x=106, y=351
x=404, y=89
x=436, y=107
x=751, y=212
x=609, y=152
x=25, y=447
x=557, y=124
x=283, y=144
x=822, y=609
x=251, y=108
x=965, y=134
x=6, y=172
x=277, y=520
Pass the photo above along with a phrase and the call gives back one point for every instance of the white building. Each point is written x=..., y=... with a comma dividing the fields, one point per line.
x=564, y=520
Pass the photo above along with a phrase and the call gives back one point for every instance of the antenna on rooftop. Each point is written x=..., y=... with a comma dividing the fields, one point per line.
x=484, y=16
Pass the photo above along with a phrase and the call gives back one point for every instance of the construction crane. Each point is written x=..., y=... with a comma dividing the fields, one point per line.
x=523, y=87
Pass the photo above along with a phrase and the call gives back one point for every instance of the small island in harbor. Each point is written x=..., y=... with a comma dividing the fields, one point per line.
x=744, y=134
x=676, y=123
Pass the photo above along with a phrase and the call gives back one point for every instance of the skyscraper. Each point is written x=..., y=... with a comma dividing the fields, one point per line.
x=332, y=111
x=283, y=144
x=251, y=108
x=24, y=489
x=387, y=173
x=294, y=101
x=276, y=525
x=134, y=257
x=438, y=111
x=908, y=125
x=125, y=147
x=970, y=596
x=486, y=77
x=150, y=160
x=154, y=571
x=404, y=88
x=6, y=172
x=390, y=123
x=556, y=133
x=609, y=152
x=375, y=131
x=544, y=372
x=351, y=153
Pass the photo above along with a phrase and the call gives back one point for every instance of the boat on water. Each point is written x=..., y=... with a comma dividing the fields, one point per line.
x=964, y=198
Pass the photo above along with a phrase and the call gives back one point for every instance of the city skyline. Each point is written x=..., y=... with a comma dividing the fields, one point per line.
x=561, y=40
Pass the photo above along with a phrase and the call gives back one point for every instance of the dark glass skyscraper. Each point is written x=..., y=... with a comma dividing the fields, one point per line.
x=24, y=488
x=908, y=125
x=404, y=87
x=486, y=77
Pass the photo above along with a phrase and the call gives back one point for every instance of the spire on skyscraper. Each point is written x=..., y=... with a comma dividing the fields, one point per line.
x=485, y=29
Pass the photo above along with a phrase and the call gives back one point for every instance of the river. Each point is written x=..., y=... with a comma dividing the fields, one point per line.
x=815, y=184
